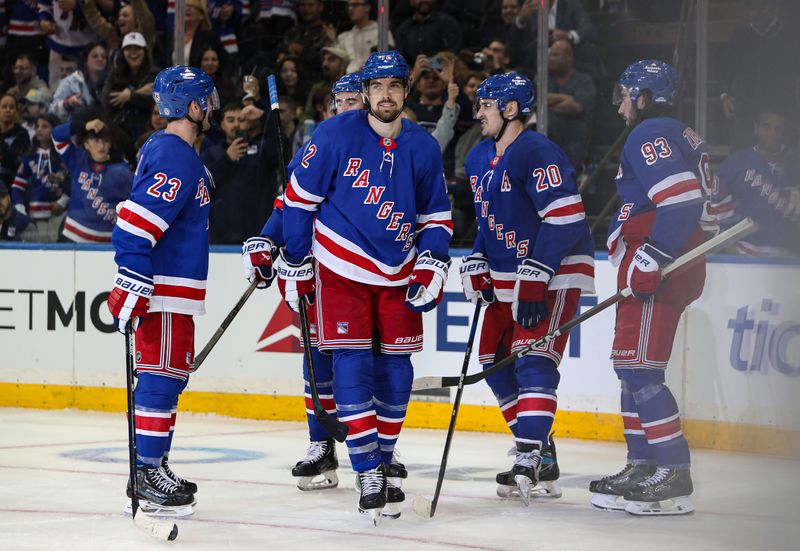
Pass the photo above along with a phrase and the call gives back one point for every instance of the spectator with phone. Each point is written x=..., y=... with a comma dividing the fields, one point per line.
x=82, y=88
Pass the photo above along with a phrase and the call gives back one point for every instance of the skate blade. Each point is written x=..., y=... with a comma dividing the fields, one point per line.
x=608, y=502
x=524, y=487
x=676, y=506
x=154, y=510
x=374, y=514
x=324, y=481
x=392, y=510
x=544, y=490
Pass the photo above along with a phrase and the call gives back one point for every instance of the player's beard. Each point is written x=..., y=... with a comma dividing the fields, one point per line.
x=386, y=116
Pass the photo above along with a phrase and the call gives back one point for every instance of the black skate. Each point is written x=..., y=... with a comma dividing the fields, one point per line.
x=526, y=473
x=548, y=475
x=185, y=485
x=159, y=495
x=665, y=492
x=395, y=473
x=372, y=486
x=317, y=471
x=607, y=492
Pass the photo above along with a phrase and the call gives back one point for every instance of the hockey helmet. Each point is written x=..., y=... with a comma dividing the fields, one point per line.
x=656, y=76
x=350, y=82
x=507, y=87
x=384, y=65
x=175, y=88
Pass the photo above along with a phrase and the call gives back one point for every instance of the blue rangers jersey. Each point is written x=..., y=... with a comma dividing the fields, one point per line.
x=528, y=206
x=162, y=230
x=33, y=186
x=95, y=190
x=662, y=180
x=373, y=202
x=752, y=186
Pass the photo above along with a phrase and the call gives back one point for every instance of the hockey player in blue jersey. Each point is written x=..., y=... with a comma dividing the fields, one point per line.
x=532, y=259
x=348, y=94
x=161, y=246
x=98, y=183
x=662, y=175
x=760, y=183
x=381, y=228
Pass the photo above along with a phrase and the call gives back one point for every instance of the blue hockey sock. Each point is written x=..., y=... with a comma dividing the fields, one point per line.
x=154, y=398
x=538, y=378
x=323, y=371
x=393, y=378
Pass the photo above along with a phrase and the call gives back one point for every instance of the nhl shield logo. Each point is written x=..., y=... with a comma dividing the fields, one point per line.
x=342, y=327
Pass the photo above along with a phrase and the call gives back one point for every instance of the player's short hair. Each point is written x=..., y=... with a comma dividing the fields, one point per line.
x=231, y=106
x=30, y=57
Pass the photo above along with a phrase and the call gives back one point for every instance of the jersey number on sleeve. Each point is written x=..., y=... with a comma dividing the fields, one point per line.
x=170, y=192
x=651, y=155
x=545, y=178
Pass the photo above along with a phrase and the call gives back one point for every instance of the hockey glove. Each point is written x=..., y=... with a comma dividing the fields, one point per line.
x=644, y=272
x=257, y=255
x=296, y=280
x=426, y=284
x=475, y=279
x=130, y=298
x=530, y=293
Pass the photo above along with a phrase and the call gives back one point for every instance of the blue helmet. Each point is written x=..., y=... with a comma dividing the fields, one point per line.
x=508, y=87
x=654, y=75
x=176, y=87
x=350, y=82
x=384, y=65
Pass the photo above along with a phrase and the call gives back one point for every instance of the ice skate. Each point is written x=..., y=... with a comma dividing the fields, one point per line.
x=607, y=492
x=185, y=485
x=317, y=471
x=159, y=495
x=548, y=486
x=665, y=492
x=526, y=473
x=372, y=488
x=395, y=473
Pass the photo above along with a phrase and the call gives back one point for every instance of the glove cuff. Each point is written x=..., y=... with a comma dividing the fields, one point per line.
x=532, y=270
x=134, y=285
x=254, y=244
x=657, y=254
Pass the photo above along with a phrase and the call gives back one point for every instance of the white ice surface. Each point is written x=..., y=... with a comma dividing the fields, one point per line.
x=63, y=473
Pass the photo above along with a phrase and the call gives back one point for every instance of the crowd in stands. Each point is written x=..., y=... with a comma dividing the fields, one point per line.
x=76, y=81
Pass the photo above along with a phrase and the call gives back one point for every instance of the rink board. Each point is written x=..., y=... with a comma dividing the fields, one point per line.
x=735, y=368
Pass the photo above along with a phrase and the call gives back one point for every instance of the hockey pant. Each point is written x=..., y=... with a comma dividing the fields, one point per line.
x=526, y=391
x=651, y=419
x=323, y=372
x=371, y=393
x=155, y=404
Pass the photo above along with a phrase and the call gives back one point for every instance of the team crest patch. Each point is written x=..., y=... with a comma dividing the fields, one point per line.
x=188, y=358
x=138, y=357
x=342, y=327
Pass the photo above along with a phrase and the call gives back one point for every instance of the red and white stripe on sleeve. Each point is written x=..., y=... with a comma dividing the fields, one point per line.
x=297, y=197
x=678, y=188
x=19, y=183
x=137, y=220
x=62, y=146
x=565, y=210
x=435, y=220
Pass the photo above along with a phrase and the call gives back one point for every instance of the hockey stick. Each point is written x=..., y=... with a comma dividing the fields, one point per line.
x=200, y=358
x=163, y=530
x=421, y=505
x=336, y=428
x=731, y=235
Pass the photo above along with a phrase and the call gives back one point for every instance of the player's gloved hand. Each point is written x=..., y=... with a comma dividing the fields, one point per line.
x=296, y=280
x=644, y=272
x=475, y=279
x=426, y=285
x=257, y=256
x=129, y=299
x=530, y=293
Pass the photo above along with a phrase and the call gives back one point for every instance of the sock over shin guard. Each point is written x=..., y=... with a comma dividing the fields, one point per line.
x=155, y=397
x=323, y=372
x=393, y=378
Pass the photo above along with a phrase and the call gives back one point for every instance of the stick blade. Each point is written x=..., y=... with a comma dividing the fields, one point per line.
x=422, y=506
x=426, y=383
x=163, y=530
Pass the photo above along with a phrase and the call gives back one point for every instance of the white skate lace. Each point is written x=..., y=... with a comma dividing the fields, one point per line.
x=528, y=459
x=171, y=474
x=657, y=477
x=371, y=482
x=315, y=451
x=159, y=479
x=617, y=475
